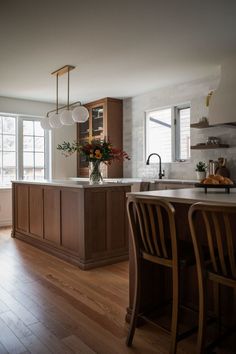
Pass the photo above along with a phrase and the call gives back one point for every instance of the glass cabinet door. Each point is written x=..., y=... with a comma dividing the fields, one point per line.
x=84, y=130
x=82, y=162
x=97, y=121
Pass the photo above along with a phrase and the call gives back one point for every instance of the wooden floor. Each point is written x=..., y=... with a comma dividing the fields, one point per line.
x=50, y=306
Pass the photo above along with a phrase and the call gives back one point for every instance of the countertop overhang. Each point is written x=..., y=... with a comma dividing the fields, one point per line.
x=139, y=180
x=71, y=183
x=191, y=195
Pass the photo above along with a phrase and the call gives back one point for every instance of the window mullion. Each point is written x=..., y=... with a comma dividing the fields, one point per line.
x=20, y=149
x=173, y=133
x=2, y=152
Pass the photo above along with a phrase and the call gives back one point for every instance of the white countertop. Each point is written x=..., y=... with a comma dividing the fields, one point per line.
x=71, y=183
x=139, y=180
x=192, y=195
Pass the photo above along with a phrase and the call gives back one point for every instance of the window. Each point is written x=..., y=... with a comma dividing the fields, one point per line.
x=24, y=149
x=33, y=150
x=168, y=133
x=7, y=149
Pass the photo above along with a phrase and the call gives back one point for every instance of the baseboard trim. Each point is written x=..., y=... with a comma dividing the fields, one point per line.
x=7, y=222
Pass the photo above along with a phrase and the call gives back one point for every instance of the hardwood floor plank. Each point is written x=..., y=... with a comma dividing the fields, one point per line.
x=26, y=316
x=3, y=307
x=77, y=345
x=16, y=325
x=3, y=349
x=50, y=340
x=34, y=345
x=9, y=340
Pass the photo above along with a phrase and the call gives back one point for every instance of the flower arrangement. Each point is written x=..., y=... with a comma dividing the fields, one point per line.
x=96, y=150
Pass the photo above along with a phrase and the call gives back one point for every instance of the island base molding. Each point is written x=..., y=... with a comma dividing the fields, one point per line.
x=87, y=227
x=85, y=265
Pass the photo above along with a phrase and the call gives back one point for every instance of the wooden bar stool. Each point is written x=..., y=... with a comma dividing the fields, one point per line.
x=221, y=266
x=153, y=232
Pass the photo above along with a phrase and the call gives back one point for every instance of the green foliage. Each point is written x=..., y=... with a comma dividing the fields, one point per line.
x=201, y=166
x=97, y=149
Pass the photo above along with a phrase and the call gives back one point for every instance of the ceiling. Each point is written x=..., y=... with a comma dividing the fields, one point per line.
x=120, y=48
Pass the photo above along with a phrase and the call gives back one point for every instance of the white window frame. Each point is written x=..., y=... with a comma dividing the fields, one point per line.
x=19, y=145
x=175, y=131
x=16, y=138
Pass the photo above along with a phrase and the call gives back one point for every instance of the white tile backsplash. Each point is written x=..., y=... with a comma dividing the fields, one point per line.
x=134, y=127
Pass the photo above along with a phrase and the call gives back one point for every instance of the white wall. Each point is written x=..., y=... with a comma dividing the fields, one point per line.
x=24, y=107
x=61, y=167
x=134, y=128
x=5, y=207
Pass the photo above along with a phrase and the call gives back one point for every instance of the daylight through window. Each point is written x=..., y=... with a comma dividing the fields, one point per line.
x=7, y=149
x=24, y=149
x=168, y=133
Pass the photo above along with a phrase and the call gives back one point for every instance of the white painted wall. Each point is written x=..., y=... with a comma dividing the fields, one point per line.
x=61, y=167
x=5, y=207
x=134, y=130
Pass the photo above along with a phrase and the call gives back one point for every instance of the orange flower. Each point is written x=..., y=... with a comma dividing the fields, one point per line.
x=98, y=154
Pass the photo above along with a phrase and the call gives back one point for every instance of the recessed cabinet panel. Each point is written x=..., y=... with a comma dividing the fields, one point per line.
x=22, y=210
x=71, y=221
x=36, y=211
x=116, y=236
x=52, y=215
x=95, y=216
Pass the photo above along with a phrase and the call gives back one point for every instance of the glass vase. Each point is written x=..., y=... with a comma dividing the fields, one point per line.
x=95, y=172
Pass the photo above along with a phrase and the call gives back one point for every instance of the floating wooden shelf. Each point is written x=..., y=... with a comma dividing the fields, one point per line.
x=209, y=146
x=201, y=125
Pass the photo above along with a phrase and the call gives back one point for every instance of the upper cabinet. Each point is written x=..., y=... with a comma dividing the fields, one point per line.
x=105, y=120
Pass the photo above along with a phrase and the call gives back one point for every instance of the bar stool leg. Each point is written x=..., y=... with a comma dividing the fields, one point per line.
x=202, y=314
x=217, y=307
x=135, y=311
x=175, y=311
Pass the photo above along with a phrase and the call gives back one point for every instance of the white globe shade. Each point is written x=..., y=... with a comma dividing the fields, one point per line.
x=66, y=118
x=55, y=121
x=80, y=114
x=45, y=124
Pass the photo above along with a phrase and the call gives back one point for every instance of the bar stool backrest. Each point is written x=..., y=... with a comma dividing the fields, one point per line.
x=153, y=229
x=220, y=238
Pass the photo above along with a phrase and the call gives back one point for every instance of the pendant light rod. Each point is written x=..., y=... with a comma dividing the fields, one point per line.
x=65, y=106
x=59, y=72
x=68, y=89
x=57, y=95
x=78, y=114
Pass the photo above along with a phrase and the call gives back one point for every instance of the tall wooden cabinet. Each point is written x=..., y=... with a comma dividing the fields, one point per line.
x=105, y=120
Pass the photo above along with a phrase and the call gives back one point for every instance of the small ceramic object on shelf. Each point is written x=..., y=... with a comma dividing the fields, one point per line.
x=213, y=140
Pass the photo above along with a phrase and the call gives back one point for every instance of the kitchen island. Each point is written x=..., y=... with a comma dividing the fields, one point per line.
x=156, y=282
x=80, y=223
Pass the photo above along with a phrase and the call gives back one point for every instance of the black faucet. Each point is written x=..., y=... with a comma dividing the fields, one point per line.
x=161, y=174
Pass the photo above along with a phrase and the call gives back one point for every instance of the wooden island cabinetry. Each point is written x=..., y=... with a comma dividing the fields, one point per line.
x=85, y=225
x=105, y=120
